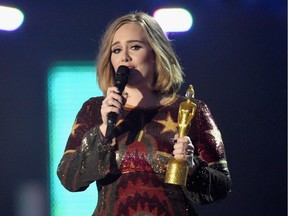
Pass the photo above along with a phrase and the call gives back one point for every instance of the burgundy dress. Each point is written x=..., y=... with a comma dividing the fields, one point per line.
x=130, y=175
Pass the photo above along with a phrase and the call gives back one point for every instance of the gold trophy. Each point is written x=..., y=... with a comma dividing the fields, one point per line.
x=177, y=170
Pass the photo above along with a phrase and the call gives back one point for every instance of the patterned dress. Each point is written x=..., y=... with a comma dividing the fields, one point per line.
x=130, y=174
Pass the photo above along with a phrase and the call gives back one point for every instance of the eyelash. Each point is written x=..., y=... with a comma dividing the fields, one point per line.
x=134, y=47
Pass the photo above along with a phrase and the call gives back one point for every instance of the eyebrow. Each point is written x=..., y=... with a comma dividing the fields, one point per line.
x=129, y=41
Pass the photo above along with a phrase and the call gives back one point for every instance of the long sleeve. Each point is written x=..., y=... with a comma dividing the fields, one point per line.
x=85, y=158
x=211, y=180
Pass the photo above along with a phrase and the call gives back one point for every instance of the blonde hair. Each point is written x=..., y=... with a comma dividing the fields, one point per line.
x=168, y=72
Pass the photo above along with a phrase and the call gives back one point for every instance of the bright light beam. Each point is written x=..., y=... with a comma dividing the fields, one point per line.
x=173, y=19
x=10, y=18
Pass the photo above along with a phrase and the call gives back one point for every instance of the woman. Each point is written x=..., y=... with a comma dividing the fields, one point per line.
x=129, y=170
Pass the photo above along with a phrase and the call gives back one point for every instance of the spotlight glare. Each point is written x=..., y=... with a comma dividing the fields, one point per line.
x=174, y=19
x=10, y=18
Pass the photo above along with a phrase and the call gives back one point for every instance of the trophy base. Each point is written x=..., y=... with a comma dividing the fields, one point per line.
x=177, y=172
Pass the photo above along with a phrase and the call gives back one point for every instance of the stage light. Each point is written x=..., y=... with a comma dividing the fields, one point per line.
x=174, y=19
x=10, y=18
x=69, y=85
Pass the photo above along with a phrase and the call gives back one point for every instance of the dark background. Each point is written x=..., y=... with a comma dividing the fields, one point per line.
x=235, y=55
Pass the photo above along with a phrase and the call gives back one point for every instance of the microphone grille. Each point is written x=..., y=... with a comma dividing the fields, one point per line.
x=123, y=70
x=121, y=77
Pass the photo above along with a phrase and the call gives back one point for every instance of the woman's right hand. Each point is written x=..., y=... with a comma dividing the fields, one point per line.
x=113, y=102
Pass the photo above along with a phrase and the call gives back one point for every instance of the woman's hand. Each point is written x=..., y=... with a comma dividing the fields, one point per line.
x=113, y=102
x=184, y=150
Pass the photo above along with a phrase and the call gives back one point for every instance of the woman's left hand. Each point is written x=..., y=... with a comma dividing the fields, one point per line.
x=184, y=150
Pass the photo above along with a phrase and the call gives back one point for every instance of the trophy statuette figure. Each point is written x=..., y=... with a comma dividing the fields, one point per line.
x=177, y=170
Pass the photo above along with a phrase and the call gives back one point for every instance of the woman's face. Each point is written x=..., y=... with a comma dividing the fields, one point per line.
x=131, y=48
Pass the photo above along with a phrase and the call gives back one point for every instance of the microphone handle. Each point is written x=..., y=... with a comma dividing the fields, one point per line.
x=112, y=118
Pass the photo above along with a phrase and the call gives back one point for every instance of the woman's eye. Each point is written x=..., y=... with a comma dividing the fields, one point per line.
x=116, y=51
x=135, y=47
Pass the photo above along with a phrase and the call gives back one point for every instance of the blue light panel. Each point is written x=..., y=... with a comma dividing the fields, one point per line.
x=70, y=84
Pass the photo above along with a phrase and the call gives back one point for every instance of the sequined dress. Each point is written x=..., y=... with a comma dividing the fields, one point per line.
x=130, y=175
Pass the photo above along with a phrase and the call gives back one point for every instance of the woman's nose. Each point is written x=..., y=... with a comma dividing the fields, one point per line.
x=125, y=57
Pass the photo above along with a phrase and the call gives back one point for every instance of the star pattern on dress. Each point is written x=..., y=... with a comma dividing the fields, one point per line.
x=215, y=133
x=75, y=126
x=169, y=124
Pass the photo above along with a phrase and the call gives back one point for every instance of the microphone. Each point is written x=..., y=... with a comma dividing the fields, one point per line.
x=120, y=81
